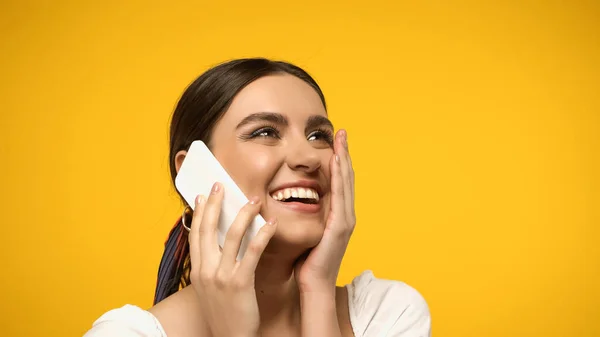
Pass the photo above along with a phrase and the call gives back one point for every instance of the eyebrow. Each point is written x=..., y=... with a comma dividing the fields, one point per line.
x=318, y=121
x=279, y=119
x=272, y=117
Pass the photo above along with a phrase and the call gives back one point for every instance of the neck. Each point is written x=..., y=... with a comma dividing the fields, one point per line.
x=276, y=289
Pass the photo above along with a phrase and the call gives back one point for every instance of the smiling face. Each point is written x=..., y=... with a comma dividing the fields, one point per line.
x=276, y=143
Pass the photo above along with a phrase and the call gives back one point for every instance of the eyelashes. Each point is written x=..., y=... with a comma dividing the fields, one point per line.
x=324, y=134
x=272, y=132
x=265, y=131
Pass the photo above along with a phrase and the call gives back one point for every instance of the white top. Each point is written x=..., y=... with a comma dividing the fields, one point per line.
x=377, y=308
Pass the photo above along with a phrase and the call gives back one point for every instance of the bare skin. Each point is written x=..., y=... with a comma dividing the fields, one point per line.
x=274, y=133
x=180, y=316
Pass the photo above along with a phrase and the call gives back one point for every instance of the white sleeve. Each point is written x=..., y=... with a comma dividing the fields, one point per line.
x=127, y=321
x=389, y=308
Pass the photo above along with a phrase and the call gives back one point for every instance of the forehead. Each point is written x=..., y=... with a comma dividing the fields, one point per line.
x=284, y=94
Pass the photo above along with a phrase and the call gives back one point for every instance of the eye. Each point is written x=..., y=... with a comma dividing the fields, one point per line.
x=321, y=135
x=265, y=132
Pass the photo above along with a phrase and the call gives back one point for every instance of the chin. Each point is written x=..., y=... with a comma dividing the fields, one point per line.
x=300, y=226
x=298, y=234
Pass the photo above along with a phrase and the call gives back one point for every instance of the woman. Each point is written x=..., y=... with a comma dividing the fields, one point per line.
x=266, y=122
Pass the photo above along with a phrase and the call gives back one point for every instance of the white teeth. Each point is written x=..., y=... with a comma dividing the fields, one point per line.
x=296, y=192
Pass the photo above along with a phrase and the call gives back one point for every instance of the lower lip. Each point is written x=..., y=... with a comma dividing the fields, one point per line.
x=300, y=207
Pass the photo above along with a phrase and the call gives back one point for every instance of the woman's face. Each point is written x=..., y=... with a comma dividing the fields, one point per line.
x=276, y=143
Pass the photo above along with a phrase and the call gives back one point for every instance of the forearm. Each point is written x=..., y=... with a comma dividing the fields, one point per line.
x=319, y=315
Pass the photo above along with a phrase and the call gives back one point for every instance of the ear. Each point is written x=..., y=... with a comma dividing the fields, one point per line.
x=179, y=157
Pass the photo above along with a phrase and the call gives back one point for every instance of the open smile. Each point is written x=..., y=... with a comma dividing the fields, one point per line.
x=301, y=199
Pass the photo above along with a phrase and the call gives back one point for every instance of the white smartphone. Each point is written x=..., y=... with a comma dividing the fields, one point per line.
x=197, y=174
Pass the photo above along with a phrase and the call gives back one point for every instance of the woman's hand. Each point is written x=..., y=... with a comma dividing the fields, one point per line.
x=225, y=287
x=318, y=272
x=316, y=275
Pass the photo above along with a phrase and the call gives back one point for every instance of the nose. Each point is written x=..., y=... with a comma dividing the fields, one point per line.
x=302, y=156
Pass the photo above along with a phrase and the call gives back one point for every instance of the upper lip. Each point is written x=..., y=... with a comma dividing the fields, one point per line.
x=301, y=183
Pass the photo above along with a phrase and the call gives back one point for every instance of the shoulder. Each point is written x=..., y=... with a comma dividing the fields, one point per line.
x=126, y=321
x=380, y=307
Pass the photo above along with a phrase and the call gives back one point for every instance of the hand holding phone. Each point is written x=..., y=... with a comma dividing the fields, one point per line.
x=224, y=285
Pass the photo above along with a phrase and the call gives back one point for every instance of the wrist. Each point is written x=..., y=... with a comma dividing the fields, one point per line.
x=323, y=300
x=318, y=292
x=324, y=288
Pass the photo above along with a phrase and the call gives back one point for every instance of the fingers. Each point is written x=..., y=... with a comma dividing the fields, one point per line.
x=347, y=173
x=348, y=169
x=236, y=233
x=338, y=205
x=211, y=264
x=209, y=247
x=255, y=249
x=344, y=174
x=194, y=236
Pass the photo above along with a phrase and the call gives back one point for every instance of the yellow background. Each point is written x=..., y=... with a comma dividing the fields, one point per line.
x=474, y=128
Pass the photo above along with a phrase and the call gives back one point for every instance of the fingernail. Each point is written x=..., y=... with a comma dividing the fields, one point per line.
x=337, y=158
x=254, y=200
x=200, y=199
x=272, y=222
x=216, y=188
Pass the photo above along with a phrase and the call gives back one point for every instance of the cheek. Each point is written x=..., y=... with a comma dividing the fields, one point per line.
x=264, y=161
x=252, y=170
